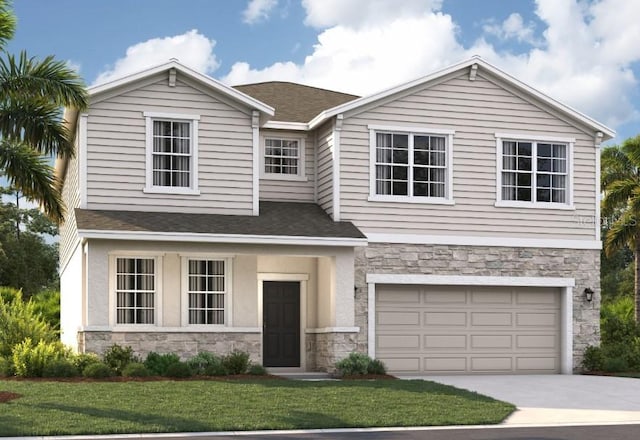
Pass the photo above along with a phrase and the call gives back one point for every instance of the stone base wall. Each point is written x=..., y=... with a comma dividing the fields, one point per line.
x=583, y=265
x=184, y=344
x=325, y=349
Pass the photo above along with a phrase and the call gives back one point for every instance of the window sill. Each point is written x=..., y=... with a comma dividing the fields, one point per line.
x=169, y=190
x=535, y=205
x=187, y=329
x=284, y=177
x=407, y=199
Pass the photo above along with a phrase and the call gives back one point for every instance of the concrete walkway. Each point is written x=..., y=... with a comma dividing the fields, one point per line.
x=557, y=399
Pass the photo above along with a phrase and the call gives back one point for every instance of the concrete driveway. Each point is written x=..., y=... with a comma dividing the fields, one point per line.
x=558, y=399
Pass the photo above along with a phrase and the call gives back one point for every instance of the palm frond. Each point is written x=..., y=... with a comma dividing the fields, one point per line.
x=623, y=232
x=631, y=148
x=615, y=165
x=618, y=195
x=31, y=174
x=36, y=123
x=46, y=79
x=7, y=23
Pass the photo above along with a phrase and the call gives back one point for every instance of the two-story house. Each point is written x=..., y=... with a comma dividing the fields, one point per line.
x=447, y=225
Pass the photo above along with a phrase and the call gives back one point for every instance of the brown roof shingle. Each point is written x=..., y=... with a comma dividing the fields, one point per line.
x=275, y=219
x=295, y=102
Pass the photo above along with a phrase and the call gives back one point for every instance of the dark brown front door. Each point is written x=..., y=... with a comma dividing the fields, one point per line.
x=281, y=321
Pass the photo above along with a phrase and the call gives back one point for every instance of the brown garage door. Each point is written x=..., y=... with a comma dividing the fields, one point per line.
x=463, y=329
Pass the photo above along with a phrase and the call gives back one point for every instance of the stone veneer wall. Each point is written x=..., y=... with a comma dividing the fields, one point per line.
x=583, y=265
x=184, y=344
x=325, y=349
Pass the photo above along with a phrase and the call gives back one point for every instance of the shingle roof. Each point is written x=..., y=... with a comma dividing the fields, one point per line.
x=295, y=102
x=275, y=219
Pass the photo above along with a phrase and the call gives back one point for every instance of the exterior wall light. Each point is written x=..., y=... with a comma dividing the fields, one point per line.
x=588, y=294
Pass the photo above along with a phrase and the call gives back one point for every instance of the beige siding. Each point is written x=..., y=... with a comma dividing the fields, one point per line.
x=116, y=150
x=301, y=190
x=71, y=199
x=476, y=111
x=325, y=167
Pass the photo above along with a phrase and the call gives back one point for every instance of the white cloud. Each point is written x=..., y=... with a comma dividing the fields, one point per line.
x=258, y=10
x=512, y=27
x=191, y=49
x=583, y=57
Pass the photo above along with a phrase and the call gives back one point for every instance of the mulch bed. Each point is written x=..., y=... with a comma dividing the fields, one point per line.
x=6, y=396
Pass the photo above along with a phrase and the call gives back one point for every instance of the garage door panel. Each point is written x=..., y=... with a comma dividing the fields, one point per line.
x=399, y=318
x=468, y=329
x=451, y=342
x=445, y=319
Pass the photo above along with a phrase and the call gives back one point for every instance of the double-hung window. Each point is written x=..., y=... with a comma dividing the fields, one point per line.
x=172, y=153
x=411, y=166
x=283, y=158
x=207, y=290
x=135, y=289
x=534, y=172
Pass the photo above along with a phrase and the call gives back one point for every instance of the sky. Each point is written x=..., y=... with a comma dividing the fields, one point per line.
x=583, y=53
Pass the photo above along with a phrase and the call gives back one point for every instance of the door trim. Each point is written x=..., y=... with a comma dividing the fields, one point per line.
x=564, y=284
x=303, y=278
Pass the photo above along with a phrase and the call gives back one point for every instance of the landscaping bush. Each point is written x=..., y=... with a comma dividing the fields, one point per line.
x=257, y=370
x=615, y=364
x=47, y=304
x=20, y=320
x=60, y=368
x=204, y=361
x=135, y=369
x=99, y=370
x=118, y=357
x=593, y=359
x=158, y=364
x=236, y=362
x=6, y=367
x=83, y=360
x=29, y=359
x=359, y=364
x=179, y=370
x=216, y=369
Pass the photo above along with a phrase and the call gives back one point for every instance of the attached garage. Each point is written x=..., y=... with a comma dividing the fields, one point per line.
x=470, y=329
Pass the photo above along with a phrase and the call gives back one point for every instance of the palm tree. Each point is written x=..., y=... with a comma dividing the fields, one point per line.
x=621, y=202
x=32, y=93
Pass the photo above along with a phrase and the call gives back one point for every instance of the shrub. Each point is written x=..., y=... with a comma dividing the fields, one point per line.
x=203, y=361
x=20, y=320
x=257, y=370
x=376, y=366
x=615, y=365
x=118, y=357
x=83, y=360
x=6, y=367
x=179, y=370
x=158, y=364
x=29, y=359
x=236, y=362
x=47, y=304
x=593, y=359
x=216, y=369
x=356, y=364
x=98, y=370
x=135, y=369
x=60, y=368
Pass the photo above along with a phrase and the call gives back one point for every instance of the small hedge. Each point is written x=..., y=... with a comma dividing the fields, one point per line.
x=99, y=370
x=158, y=364
x=359, y=364
x=136, y=369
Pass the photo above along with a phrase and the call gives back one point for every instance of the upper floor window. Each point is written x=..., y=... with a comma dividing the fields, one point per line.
x=172, y=153
x=135, y=289
x=411, y=166
x=534, y=172
x=283, y=158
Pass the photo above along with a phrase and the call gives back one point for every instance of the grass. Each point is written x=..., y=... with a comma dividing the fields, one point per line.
x=55, y=408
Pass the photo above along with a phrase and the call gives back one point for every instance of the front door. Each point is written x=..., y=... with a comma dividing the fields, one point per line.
x=281, y=323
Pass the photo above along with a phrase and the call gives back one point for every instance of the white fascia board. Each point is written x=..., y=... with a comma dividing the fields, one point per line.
x=220, y=238
x=343, y=108
x=284, y=125
x=464, y=280
x=206, y=80
x=461, y=240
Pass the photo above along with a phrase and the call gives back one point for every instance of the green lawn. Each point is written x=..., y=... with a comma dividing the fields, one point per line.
x=48, y=408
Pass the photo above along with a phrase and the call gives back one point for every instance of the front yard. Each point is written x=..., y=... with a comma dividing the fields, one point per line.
x=49, y=408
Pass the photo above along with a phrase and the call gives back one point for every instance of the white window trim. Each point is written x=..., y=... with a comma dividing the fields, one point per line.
x=570, y=142
x=411, y=130
x=193, y=123
x=301, y=176
x=184, y=290
x=113, y=300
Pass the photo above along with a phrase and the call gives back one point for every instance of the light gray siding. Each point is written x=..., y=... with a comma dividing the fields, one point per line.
x=476, y=110
x=301, y=190
x=71, y=199
x=117, y=154
x=325, y=167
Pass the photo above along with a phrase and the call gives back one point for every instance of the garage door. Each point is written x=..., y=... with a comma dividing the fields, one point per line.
x=463, y=329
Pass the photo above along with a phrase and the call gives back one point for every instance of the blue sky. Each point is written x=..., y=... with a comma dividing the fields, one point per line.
x=583, y=53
